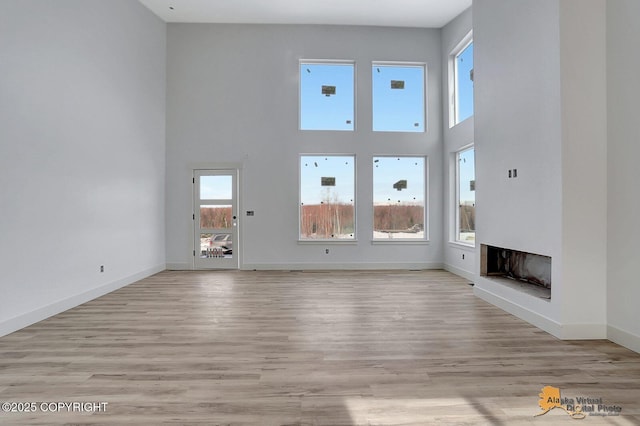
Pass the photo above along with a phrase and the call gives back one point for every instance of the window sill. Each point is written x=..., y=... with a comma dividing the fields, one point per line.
x=400, y=241
x=319, y=241
x=461, y=245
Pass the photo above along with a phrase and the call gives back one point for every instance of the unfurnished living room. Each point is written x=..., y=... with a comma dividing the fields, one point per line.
x=408, y=212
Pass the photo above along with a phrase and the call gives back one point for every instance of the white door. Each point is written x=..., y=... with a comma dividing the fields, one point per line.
x=215, y=219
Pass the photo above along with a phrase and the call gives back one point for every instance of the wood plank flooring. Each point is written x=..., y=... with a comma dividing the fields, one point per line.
x=305, y=348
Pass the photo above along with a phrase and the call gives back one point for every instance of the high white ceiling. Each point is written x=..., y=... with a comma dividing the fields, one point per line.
x=388, y=13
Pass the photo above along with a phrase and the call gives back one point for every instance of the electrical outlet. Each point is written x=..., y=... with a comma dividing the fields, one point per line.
x=462, y=256
x=326, y=251
x=101, y=268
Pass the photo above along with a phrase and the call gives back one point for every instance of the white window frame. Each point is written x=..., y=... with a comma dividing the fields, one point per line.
x=405, y=241
x=327, y=62
x=453, y=78
x=425, y=92
x=456, y=200
x=353, y=240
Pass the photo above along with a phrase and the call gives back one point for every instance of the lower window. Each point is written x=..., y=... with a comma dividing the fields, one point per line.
x=327, y=197
x=398, y=198
x=466, y=196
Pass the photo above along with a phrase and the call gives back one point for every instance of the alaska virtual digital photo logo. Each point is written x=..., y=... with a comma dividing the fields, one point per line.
x=578, y=407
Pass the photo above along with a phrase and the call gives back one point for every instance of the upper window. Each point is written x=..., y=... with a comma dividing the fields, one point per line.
x=466, y=196
x=398, y=197
x=327, y=95
x=398, y=97
x=462, y=84
x=327, y=197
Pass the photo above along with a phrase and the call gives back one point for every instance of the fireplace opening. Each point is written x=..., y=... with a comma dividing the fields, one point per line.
x=528, y=272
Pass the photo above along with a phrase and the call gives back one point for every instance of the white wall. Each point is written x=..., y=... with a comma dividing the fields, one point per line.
x=233, y=98
x=584, y=166
x=623, y=90
x=82, y=101
x=518, y=125
x=458, y=258
x=82, y=158
x=540, y=108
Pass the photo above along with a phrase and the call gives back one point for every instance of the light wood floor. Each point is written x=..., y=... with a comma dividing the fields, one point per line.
x=306, y=348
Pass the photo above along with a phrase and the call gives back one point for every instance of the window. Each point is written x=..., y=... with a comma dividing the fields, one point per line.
x=398, y=198
x=398, y=97
x=327, y=195
x=461, y=82
x=466, y=196
x=327, y=95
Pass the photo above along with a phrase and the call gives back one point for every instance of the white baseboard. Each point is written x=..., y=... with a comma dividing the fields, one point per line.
x=341, y=266
x=561, y=331
x=540, y=321
x=583, y=331
x=624, y=338
x=184, y=266
x=37, y=315
x=460, y=272
x=179, y=266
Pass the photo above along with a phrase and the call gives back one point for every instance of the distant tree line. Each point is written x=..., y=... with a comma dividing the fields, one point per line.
x=216, y=218
x=467, y=218
x=326, y=220
x=398, y=218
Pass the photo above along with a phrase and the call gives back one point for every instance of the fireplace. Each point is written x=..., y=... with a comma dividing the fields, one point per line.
x=525, y=271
